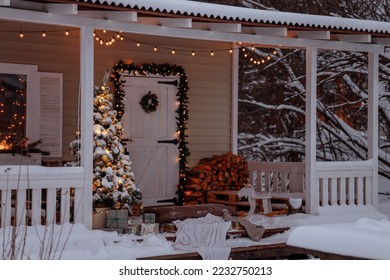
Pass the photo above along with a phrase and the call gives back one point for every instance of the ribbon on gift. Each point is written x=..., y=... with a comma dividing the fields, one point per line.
x=118, y=219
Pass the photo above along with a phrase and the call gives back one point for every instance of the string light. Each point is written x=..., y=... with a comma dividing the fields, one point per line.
x=118, y=36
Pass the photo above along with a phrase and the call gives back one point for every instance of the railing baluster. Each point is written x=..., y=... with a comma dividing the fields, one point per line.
x=36, y=207
x=359, y=190
x=6, y=210
x=333, y=191
x=342, y=191
x=51, y=206
x=20, y=205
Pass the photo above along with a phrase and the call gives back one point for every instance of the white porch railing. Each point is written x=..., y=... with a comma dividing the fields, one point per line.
x=337, y=183
x=41, y=195
x=344, y=183
x=280, y=177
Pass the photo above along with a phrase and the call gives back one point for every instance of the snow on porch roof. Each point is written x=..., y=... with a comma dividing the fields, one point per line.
x=208, y=11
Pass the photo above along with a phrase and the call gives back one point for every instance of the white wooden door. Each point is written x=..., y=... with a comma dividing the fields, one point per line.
x=155, y=164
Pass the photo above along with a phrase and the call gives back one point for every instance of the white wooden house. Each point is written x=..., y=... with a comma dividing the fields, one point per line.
x=56, y=46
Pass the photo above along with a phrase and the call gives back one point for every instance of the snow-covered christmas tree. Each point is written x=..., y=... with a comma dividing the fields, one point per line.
x=113, y=181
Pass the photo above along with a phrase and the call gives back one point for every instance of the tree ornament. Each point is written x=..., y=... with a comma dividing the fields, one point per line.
x=149, y=102
x=105, y=158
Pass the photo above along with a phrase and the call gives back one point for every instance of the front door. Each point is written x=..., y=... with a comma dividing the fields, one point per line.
x=154, y=156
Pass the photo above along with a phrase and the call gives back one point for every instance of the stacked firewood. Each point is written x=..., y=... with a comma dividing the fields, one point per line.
x=218, y=173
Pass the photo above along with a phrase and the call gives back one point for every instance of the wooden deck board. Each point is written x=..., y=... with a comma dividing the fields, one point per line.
x=262, y=252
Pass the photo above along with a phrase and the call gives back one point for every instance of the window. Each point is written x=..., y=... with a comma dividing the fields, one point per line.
x=19, y=105
x=30, y=108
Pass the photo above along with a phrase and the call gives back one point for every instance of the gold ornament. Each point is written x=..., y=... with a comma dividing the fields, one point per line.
x=104, y=158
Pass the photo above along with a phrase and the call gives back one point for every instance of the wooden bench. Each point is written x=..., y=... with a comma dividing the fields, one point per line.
x=280, y=180
x=231, y=199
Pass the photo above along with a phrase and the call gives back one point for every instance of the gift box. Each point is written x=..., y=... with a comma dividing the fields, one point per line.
x=168, y=228
x=117, y=219
x=145, y=229
x=149, y=218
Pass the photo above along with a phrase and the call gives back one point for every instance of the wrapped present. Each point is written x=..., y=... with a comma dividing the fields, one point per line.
x=149, y=218
x=133, y=228
x=117, y=219
x=168, y=228
x=145, y=229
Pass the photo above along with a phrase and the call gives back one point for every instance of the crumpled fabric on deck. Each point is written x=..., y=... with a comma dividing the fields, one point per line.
x=206, y=235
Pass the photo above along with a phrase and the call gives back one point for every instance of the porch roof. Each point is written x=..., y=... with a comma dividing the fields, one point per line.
x=214, y=12
x=205, y=21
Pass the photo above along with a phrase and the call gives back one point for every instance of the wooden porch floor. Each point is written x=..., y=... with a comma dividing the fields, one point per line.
x=280, y=251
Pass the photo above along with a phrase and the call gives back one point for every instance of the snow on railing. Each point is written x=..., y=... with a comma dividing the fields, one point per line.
x=40, y=195
x=344, y=183
x=277, y=176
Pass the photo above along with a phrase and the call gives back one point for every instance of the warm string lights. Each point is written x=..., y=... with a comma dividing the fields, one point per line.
x=102, y=39
x=12, y=110
x=109, y=38
x=255, y=56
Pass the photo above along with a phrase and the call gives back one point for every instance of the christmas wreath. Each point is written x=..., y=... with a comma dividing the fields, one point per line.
x=149, y=102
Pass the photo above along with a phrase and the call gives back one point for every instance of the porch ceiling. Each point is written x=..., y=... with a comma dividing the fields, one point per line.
x=198, y=16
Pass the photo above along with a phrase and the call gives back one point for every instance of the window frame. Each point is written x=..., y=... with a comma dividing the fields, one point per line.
x=32, y=122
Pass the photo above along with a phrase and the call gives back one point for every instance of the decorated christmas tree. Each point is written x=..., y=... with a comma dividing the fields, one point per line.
x=113, y=180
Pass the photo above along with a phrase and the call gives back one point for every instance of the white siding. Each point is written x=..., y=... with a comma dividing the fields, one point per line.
x=208, y=77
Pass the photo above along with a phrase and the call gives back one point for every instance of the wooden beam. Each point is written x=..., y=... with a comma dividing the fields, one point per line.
x=363, y=38
x=27, y=5
x=168, y=22
x=381, y=41
x=268, y=31
x=225, y=27
x=5, y=2
x=110, y=15
x=318, y=35
x=222, y=27
x=64, y=9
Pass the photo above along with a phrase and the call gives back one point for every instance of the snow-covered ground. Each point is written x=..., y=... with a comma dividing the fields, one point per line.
x=362, y=232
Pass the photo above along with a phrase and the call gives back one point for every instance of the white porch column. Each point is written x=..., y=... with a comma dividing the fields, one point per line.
x=86, y=86
x=234, y=107
x=312, y=193
x=372, y=122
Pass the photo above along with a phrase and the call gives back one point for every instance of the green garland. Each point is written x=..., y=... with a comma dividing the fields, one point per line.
x=149, y=102
x=181, y=112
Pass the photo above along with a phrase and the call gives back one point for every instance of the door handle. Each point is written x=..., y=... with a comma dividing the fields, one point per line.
x=173, y=141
